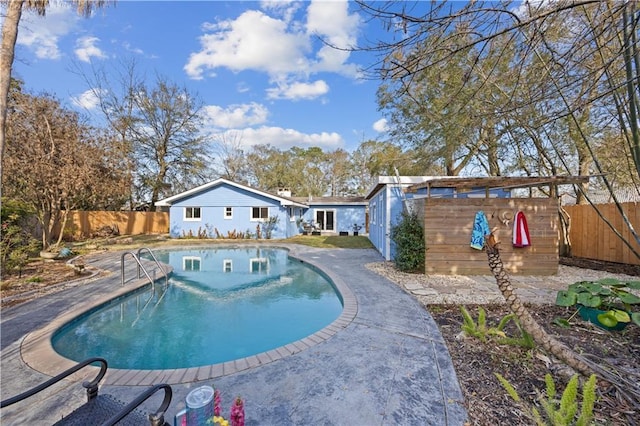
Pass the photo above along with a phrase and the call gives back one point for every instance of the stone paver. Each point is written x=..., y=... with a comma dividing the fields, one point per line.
x=482, y=289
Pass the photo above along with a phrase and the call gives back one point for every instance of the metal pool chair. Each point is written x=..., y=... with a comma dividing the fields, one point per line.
x=103, y=409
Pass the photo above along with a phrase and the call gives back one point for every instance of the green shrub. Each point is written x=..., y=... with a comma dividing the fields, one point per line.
x=270, y=225
x=409, y=238
x=16, y=244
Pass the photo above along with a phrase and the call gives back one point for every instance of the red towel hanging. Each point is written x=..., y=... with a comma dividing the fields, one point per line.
x=521, y=236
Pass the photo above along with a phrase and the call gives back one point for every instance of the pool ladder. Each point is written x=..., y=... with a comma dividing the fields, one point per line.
x=141, y=268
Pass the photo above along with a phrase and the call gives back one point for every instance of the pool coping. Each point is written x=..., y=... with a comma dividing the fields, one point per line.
x=38, y=353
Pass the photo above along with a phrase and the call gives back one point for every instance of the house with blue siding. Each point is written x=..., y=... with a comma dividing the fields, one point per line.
x=225, y=209
x=344, y=215
x=390, y=194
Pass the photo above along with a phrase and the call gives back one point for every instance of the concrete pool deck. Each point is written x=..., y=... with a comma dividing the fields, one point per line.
x=382, y=362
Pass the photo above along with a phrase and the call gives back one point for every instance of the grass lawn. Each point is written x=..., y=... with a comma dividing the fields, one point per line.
x=323, y=241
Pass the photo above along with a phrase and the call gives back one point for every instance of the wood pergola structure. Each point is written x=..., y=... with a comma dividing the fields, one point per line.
x=499, y=182
x=448, y=223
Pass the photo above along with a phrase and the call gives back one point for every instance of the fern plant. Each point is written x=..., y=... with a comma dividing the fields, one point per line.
x=480, y=330
x=563, y=411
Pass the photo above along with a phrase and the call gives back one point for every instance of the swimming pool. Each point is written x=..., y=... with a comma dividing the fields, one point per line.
x=221, y=304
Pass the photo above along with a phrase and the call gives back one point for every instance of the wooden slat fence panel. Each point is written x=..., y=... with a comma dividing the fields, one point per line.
x=82, y=224
x=448, y=224
x=592, y=238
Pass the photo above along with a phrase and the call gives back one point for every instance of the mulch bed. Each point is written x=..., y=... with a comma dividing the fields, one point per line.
x=476, y=362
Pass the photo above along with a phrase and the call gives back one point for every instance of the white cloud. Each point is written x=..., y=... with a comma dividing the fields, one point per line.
x=41, y=36
x=128, y=47
x=243, y=119
x=285, y=8
x=254, y=41
x=235, y=116
x=88, y=100
x=280, y=47
x=281, y=138
x=331, y=21
x=530, y=8
x=381, y=125
x=297, y=91
x=243, y=87
x=86, y=48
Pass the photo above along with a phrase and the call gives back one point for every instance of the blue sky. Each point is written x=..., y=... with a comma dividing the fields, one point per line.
x=258, y=67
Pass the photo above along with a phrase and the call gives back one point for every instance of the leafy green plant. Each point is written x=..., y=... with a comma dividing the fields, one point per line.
x=269, y=226
x=408, y=236
x=480, y=330
x=614, y=297
x=477, y=329
x=524, y=339
x=16, y=243
x=563, y=411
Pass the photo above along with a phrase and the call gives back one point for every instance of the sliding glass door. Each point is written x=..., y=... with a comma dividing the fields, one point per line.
x=325, y=220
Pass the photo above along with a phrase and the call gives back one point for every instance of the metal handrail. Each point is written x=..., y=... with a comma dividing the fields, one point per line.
x=92, y=386
x=155, y=419
x=155, y=259
x=140, y=266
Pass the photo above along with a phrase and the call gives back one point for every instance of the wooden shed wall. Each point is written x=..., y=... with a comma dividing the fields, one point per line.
x=448, y=224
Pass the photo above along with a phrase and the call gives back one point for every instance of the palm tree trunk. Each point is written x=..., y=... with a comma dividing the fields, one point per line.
x=9, y=37
x=529, y=324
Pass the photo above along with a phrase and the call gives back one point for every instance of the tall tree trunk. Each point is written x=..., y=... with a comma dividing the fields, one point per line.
x=565, y=230
x=582, y=150
x=529, y=324
x=9, y=37
x=489, y=142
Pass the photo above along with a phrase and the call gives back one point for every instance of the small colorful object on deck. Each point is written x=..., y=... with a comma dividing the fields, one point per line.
x=200, y=406
x=237, y=412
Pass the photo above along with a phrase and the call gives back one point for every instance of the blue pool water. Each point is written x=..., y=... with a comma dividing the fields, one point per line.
x=220, y=305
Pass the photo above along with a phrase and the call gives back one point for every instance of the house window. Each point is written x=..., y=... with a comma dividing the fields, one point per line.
x=191, y=263
x=292, y=214
x=192, y=213
x=259, y=213
x=228, y=212
x=258, y=265
x=373, y=213
x=227, y=265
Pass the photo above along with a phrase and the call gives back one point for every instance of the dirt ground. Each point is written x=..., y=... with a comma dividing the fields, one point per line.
x=475, y=361
x=39, y=277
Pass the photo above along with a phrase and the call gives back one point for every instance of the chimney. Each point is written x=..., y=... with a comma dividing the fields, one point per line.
x=284, y=192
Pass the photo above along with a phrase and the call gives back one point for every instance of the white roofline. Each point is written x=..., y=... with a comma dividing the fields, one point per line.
x=393, y=180
x=170, y=200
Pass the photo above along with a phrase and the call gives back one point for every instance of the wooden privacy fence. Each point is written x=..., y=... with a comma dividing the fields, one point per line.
x=83, y=224
x=592, y=238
